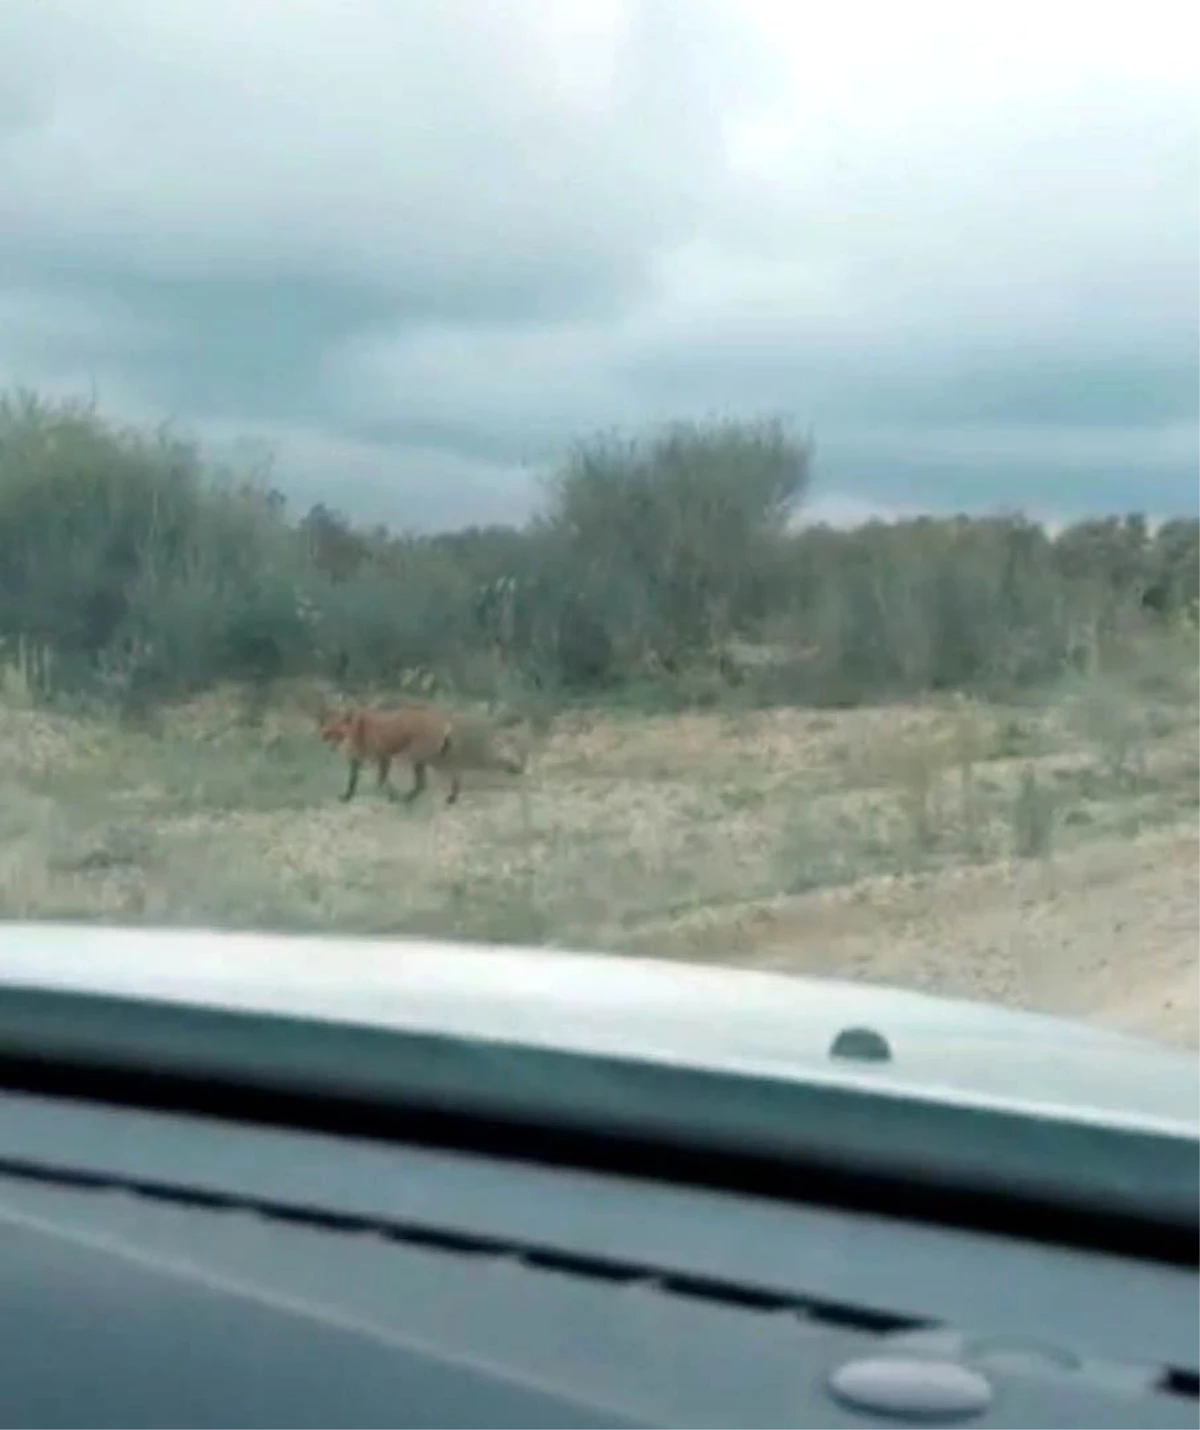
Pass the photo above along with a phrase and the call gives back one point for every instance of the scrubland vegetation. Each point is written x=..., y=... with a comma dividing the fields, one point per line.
x=949, y=752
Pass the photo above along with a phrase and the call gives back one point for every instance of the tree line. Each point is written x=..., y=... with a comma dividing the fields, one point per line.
x=133, y=569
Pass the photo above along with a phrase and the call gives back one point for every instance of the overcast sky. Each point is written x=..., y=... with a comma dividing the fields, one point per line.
x=415, y=247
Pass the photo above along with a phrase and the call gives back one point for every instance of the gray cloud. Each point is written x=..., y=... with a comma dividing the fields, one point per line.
x=418, y=248
x=428, y=146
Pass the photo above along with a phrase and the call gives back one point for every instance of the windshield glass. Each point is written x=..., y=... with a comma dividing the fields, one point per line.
x=693, y=478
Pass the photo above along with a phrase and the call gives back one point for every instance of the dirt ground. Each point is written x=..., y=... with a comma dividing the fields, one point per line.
x=1107, y=933
x=1043, y=856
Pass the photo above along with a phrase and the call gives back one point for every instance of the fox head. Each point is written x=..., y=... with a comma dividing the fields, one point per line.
x=337, y=726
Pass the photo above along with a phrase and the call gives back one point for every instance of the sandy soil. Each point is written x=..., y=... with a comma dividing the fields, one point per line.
x=1108, y=932
x=850, y=845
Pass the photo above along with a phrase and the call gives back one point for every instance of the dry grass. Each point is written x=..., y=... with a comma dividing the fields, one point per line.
x=944, y=844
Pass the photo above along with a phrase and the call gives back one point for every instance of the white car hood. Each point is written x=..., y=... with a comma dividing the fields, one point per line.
x=715, y=1018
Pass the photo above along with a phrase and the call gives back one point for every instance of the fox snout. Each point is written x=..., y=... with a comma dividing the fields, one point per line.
x=333, y=732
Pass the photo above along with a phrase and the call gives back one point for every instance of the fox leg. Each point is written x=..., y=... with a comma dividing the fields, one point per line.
x=352, y=782
x=443, y=751
x=418, y=782
x=385, y=784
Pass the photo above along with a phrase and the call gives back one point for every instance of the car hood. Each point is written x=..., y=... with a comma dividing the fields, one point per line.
x=718, y=1019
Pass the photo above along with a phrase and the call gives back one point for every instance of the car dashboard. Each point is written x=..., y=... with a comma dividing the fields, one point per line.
x=165, y=1267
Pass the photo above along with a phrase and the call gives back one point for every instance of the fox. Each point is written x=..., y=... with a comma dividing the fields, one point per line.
x=421, y=735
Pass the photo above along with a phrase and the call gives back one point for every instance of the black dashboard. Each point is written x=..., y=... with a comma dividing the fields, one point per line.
x=159, y=1268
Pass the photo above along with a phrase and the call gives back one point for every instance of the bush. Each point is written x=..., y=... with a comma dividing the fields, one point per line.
x=131, y=570
x=661, y=543
x=125, y=565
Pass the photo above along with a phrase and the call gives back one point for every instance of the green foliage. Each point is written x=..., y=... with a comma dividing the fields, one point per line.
x=126, y=567
x=384, y=623
x=663, y=540
x=85, y=509
x=933, y=605
x=661, y=568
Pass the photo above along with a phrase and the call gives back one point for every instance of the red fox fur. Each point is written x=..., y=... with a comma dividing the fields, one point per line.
x=420, y=735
